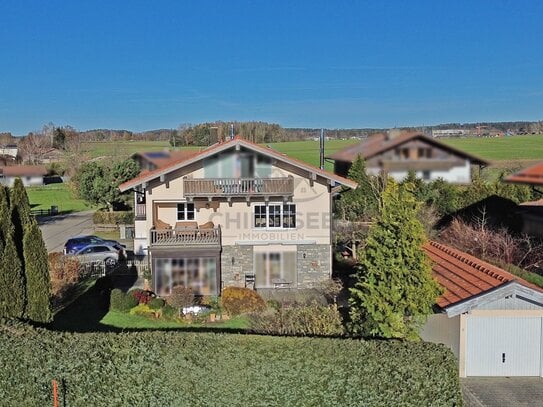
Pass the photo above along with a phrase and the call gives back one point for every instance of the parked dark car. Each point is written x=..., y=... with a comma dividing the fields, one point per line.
x=75, y=244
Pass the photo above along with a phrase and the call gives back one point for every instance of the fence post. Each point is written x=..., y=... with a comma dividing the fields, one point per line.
x=55, y=393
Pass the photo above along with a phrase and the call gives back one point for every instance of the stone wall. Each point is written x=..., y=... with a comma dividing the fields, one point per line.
x=315, y=267
x=234, y=274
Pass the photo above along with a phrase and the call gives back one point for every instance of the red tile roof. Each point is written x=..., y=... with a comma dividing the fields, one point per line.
x=23, y=170
x=532, y=176
x=381, y=142
x=172, y=166
x=464, y=276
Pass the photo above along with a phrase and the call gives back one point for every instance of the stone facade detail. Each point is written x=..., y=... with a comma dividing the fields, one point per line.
x=233, y=272
x=313, y=263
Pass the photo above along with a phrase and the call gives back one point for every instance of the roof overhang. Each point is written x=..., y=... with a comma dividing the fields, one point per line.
x=511, y=288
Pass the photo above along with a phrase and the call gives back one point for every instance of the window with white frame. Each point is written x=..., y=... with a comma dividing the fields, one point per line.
x=275, y=216
x=185, y=211
x=273, y=267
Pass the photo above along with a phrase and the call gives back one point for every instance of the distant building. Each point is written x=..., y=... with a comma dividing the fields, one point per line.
x=450, y=133
x=151, y=160
x=29, y=174
x=397, y=153
x=9, y=150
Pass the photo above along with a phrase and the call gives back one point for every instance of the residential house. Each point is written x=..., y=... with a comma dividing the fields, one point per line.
x=151, y=160
x=397, y=153
x=9, y=150
x=29, y=174
x=491, y=319
x=531, y=213
x=236, y=213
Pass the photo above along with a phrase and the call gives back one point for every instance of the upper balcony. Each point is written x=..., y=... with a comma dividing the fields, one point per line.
x=238, y=187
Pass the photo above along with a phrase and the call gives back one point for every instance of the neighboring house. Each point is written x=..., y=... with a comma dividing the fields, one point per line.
x=29, y=174
x=531, y=213
x=491, y=319
x=397, y=153
x=9, y=150
x=236, y=213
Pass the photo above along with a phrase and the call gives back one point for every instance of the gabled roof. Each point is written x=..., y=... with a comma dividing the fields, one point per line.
x=531, y=176
x=235, y=143
x=464, y=276
x=23, y=170
x=379, y=143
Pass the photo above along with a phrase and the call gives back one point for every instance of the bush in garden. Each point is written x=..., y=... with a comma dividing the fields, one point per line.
x=141, y=309
x=64, y=268
x=113, y=218
x=305, y=320
x=156, y=303
x=181, y=297
x=119, y=301
x=331, y=288
x=142, y=296
x=169, y=312
x=239, y=300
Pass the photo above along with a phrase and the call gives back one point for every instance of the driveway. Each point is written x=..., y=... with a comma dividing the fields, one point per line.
x=57, y=229
x=503, y=391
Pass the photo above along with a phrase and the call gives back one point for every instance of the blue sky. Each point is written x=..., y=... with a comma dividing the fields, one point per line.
x=141, y=65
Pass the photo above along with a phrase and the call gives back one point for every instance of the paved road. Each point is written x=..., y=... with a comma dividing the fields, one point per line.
x=503, y=392
x=57, y=229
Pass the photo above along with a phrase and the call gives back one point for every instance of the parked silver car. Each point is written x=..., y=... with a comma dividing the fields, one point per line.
x=97, y=254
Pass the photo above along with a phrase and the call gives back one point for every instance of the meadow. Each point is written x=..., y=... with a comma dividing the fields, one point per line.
x=59, y=195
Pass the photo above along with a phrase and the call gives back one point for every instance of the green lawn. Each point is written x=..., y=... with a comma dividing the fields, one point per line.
x=60, y=195
x=501, y=148
x=123, y=320
x=123, y=149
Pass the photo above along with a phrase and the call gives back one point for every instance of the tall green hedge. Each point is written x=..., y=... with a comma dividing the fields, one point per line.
x=199, y=369
x=113, y=218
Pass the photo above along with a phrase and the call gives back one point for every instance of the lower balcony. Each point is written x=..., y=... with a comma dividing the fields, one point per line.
x=186, y=237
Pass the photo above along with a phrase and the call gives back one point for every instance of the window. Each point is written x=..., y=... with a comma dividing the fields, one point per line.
x=426, y=175
x=425, y=152
x=269, y=267
x=185, y=211
x=198, y=273
x=275, y=216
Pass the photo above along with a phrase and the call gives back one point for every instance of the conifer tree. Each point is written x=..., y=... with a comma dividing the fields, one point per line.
x=12, y=283
x=38, y=282
x=394, y=291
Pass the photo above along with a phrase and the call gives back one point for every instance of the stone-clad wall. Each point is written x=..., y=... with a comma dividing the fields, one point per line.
x=315, y=267
x=234, y=274
x=312, y=269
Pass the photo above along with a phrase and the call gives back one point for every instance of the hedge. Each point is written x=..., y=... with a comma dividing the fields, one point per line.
x=113, y=218
x=192, y=369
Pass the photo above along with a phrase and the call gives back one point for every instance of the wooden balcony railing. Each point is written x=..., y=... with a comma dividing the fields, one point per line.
x=186, y=237
x=141, y=211
x=231, y=187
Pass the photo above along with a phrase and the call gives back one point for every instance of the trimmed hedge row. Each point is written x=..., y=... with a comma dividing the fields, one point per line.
x=113, y=218
x=187, y=369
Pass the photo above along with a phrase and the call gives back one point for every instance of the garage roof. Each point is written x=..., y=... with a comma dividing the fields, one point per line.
x=464, y=276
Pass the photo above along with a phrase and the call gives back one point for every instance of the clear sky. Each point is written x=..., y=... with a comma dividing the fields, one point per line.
x=141, y=65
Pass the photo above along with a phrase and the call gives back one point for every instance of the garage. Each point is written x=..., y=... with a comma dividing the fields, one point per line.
x=492, y=320
x=503, y=346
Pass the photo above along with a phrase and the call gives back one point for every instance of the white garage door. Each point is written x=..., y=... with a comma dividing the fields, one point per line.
x=503, y=346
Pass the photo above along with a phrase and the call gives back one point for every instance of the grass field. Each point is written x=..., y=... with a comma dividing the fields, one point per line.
x=501, y=148
x=60, y=195
x=122, y=149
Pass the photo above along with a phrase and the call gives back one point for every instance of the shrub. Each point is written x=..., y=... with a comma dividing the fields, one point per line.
x=142, y=296
x=156, y=303
x=113, y=218
x=65, y=268
x=287, y=298
x=119, y=301
x=307, y=320
x=169, y=312
x=141, y=309
x=181, y=297
x=239, y=300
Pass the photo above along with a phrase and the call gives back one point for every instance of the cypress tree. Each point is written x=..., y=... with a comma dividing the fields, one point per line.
x=21, y=216
x=38, y=282
x=12, y=284
x=394, y=291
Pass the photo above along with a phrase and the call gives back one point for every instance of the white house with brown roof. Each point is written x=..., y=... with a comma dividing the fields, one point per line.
x=492, y=320
x=29, y=174
x=236, y=214
x=397, y=153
